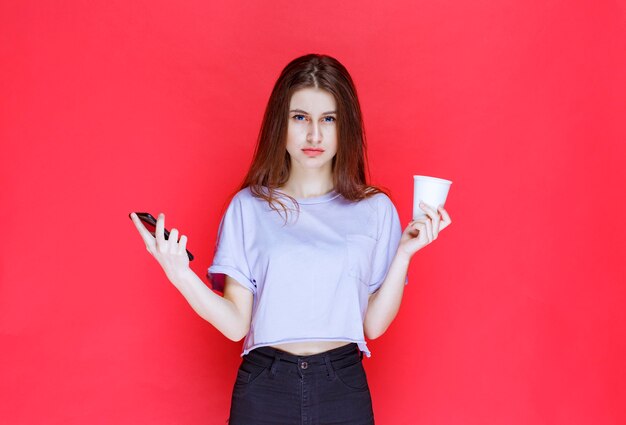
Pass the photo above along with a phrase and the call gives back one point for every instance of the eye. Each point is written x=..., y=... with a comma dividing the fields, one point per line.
x=296, y=117
x=332, y=119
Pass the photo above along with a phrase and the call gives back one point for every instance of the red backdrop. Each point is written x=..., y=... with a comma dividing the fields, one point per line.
x=515, y=315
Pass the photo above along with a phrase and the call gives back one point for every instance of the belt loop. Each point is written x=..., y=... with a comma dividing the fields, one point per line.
x=329, y=368
x=277, y=357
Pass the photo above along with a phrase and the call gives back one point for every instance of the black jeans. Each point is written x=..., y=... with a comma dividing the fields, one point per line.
x=275, y=387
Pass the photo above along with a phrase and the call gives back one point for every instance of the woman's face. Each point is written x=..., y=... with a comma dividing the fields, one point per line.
x=312, y=129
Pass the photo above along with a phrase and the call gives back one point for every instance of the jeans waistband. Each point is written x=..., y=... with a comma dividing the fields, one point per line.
x=337, y=357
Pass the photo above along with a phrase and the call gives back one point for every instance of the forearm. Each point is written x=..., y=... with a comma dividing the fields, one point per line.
x=217, y=310
x=384, y=304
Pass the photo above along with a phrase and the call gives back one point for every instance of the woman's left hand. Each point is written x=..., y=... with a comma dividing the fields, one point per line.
x=423, y=231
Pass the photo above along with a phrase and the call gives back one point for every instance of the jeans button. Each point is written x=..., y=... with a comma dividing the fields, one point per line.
x=304, y=365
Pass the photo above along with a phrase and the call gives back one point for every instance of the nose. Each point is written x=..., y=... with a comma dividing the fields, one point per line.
x=314, y=133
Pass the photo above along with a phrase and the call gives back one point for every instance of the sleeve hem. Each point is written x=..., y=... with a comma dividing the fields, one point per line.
x=218, y=283
x=376, y=286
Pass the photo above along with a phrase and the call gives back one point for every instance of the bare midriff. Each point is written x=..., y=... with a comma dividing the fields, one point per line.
x=308, y=348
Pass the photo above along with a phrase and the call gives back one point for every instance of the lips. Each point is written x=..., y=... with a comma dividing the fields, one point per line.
x=313, y=152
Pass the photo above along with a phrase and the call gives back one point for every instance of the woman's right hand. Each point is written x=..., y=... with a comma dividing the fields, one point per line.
x=170, y=253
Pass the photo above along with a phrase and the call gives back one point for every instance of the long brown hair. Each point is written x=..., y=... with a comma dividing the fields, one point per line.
x=271, y=164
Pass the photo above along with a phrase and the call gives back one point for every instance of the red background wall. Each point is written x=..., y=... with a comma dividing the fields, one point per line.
x=515, y=315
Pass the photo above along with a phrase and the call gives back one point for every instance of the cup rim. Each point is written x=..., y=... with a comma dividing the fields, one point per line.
x=436, y=179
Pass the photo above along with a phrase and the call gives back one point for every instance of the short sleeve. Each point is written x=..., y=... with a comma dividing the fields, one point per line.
x=230, y=256
x=389, y=234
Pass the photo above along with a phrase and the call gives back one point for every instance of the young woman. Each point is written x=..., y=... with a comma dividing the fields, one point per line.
x=310, y=258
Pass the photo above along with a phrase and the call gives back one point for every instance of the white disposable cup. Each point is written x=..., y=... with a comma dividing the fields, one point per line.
x=433, y=191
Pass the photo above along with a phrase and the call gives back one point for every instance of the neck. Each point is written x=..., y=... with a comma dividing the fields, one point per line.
x=308, y=183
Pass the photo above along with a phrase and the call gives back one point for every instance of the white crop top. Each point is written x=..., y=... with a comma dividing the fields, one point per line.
x=311, y=277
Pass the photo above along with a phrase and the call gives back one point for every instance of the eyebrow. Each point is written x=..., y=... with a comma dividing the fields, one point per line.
x=305, y=112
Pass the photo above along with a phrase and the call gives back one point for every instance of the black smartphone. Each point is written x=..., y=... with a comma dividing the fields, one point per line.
x=150, y=223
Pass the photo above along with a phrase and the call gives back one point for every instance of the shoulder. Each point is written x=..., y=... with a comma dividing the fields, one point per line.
x=244, y=193
x=247, y=195
x=242, y=197
x=386, y=211
x=378, y=208
x=380, y=201
x=382, y=198
x=246, y=202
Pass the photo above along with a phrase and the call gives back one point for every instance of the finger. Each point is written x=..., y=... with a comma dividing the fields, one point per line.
x=423, y=233
x=182, y=246
x=145, y=234
x=160, y=234
x=446, y=217
x=434, y=216
x=430, y=211
x=414, y=225
x=420, y=226
x=417, y=220
x=429, y=231
x=173, y=241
